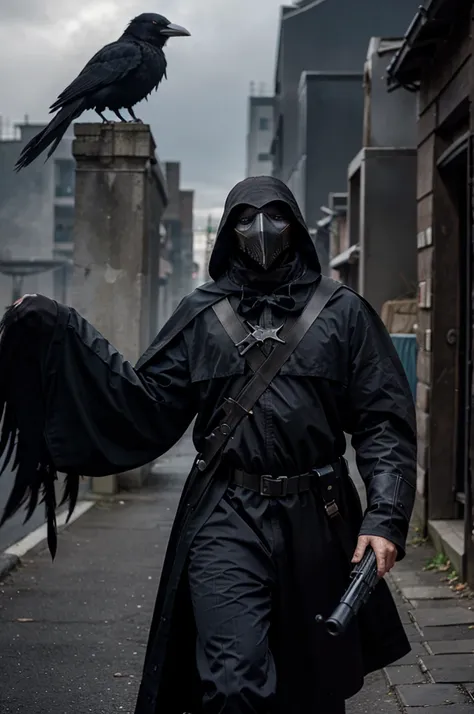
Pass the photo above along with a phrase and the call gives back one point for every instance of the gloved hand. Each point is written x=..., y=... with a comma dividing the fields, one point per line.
x=37, y=312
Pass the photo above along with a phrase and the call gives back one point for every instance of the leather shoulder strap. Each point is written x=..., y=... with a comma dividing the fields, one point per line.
x=235, y=328
x=240, y=407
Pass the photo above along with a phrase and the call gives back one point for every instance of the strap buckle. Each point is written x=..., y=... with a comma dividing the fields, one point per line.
x=268, y=486
x=328, y=478
x=332, y=509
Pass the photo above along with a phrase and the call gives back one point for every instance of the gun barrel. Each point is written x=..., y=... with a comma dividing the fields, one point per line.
x=340, y=619
x=363, y=580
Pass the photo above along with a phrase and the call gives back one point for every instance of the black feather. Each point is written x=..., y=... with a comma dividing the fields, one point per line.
x=8, y=440
x=49, y=499
x=52, y=134
x=22, y=430
x=71, y=492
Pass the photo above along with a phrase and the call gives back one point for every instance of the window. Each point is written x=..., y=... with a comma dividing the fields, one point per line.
x=63, y=224
x=264, y=124
x=264, y=157
x=64, y=175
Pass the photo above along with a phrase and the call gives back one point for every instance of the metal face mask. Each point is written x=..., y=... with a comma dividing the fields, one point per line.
x=263, y=236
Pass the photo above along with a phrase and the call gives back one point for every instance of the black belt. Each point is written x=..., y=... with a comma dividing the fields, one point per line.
x=280, y=486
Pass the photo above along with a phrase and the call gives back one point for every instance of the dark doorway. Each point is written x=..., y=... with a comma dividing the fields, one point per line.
x=454, y=167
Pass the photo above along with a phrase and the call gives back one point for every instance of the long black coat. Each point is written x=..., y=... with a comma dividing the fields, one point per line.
x=99, y=415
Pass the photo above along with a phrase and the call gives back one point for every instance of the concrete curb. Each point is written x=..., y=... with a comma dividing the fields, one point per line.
x=8, y=563
x=10, y=559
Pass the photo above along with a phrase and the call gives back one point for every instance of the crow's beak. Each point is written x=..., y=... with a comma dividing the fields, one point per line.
x=175, y=31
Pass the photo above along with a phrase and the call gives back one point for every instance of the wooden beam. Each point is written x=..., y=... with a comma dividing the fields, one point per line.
x=422, y=453
x=426, y=163
x=423, y=366
x=423, y=396
x=427, y=122
x=425, y=212
x=425, y=265
x=455, y=93
x=439, y=73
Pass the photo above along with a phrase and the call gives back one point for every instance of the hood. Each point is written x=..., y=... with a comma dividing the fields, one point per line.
x=257, y=192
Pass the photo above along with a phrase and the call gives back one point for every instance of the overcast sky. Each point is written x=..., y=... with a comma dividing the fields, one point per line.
x=198, y=116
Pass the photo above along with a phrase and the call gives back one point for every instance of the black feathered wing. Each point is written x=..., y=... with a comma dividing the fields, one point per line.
x=72, y=404
x=22, y=445
x=111, y=64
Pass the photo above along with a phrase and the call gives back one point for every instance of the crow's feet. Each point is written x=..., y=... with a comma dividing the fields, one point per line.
x=135, y=119
x=104, y=119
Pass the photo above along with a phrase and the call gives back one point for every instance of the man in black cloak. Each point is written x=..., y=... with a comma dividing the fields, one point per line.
x=253, y=556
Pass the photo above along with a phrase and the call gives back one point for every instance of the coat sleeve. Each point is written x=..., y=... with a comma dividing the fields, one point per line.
x=382, y=422
x=72, y=404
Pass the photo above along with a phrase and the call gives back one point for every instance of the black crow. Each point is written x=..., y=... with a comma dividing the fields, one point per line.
x=119, y=76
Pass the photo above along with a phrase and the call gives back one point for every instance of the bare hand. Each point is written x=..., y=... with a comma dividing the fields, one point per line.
x=385, y=551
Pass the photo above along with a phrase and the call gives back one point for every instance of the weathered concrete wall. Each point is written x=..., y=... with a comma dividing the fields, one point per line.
x=389, y=117
x=328, y=140
x=120, y=198
x=388, y=265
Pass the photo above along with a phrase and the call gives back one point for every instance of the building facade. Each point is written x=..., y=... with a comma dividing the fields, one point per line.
x=381, y=185
x=259, y=136
x=436, y=62
x=177, y=279
x=321, y=51
x=36, y=212
x=324, y=136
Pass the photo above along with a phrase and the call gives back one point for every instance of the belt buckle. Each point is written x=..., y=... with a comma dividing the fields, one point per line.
x=332, y=509
x=267, y=491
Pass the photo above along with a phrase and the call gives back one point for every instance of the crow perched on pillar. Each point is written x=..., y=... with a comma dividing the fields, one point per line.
x=119, y=76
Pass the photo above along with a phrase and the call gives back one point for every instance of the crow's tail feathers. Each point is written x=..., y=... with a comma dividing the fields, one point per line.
x=52, y=134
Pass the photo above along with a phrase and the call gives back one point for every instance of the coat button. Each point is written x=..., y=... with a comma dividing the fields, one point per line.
x=201, y=465
x=225, y=429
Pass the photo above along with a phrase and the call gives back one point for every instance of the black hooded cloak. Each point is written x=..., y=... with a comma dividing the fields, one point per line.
x=78, y=407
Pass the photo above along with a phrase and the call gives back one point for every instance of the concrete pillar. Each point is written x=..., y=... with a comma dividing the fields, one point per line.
x=120, y=198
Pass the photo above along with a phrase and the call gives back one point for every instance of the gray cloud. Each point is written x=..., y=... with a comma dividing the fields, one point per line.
x=198, y=116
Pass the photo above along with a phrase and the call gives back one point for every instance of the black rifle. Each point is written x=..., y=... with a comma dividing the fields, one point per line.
x=364, y=578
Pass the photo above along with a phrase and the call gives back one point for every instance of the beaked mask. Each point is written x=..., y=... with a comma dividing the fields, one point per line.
x=263, y=234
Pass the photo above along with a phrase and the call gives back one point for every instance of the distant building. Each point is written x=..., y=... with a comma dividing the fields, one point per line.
x=201, y=239
x=36, y=211
x=259, y=135
x=178, y=223
x=318, y=102
x=382, y=187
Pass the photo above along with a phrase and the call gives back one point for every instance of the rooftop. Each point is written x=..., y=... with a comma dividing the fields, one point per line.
x=429, y=30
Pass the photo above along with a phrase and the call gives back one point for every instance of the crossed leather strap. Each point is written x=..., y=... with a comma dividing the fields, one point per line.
x=264, y=368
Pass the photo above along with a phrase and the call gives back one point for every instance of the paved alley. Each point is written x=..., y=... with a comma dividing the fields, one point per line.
x=73, y=633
